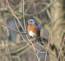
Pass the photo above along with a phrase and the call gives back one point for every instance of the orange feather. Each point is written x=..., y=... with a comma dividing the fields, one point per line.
x=32, y=28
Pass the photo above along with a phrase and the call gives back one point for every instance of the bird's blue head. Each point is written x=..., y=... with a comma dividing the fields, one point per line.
x=31, y=21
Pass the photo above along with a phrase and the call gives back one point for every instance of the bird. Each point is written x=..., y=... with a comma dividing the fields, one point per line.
x=32, y=28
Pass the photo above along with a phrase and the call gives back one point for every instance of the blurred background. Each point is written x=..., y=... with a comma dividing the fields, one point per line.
x=15, y=42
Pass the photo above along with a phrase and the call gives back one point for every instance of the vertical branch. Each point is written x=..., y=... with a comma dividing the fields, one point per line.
x=23, y=15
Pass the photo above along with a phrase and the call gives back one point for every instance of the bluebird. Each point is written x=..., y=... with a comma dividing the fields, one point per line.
x=32, y=28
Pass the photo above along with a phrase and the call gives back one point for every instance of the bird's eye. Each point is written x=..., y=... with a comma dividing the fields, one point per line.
x=30, y=21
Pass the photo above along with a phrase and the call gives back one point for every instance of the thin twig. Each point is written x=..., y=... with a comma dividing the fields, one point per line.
x=23, y=15
x=49, y=15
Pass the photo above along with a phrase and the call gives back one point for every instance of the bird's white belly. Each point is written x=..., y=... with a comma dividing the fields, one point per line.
x=32, y=33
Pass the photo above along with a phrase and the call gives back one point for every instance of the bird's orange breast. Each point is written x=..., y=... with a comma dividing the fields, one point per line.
x=32, y=28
